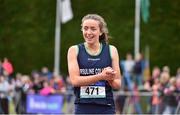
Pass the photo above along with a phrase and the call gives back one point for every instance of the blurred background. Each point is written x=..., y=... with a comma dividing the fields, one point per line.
x=27, y=33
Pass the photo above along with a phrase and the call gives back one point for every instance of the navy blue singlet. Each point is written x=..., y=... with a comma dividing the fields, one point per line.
x=96, y=98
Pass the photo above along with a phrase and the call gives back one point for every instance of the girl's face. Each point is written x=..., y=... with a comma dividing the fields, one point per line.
x=91, y=31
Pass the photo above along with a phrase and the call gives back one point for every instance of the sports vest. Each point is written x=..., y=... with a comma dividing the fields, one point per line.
x=100, y=92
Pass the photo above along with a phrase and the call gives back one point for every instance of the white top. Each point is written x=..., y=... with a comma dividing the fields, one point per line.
x=128, y=65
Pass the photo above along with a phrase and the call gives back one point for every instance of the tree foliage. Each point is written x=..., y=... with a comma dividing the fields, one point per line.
x=27, y=30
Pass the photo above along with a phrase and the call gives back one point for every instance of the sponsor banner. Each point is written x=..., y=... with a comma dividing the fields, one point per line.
x=44, y=104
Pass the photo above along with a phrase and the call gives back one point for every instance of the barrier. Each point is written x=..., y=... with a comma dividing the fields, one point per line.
x=53, y=104
x=133, y=99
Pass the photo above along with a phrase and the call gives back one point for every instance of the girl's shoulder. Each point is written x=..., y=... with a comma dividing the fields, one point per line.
x=73, y=48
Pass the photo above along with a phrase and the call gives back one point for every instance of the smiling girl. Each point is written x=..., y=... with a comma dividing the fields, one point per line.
x=94, y=68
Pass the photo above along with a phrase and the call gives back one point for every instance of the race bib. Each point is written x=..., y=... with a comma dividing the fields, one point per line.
x=92, y=92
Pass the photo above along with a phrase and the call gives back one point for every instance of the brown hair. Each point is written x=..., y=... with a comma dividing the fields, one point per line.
x=102, y=25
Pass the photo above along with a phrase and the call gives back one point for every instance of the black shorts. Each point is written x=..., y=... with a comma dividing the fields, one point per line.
x=94, y=109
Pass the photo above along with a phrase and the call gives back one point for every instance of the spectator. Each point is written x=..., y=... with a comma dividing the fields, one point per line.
x=178, y=72
x=164, y=79
x=37, y=82
x=46, y=73
x=23, y=90
x=166, y=69
x=170, y=99
x=4, y=90
x=58, y=84
x=178, y=85
x=1, y=68
x=136, y=100
x=138, y=71
x=47, y=89
x=155, y=96
x=155, y=75
x=69, y=88
x=148, y=86
x=7, y=66
x=69, y=96
x=128, y=71
x=177, y=91
x=17, y=92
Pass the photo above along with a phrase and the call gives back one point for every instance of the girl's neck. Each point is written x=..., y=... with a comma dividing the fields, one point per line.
x=93, y=48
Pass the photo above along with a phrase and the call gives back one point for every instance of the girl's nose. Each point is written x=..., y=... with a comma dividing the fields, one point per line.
x=88, y=31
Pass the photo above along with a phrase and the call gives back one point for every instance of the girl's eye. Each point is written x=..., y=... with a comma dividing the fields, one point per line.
x=93, y=29
x=85, y=29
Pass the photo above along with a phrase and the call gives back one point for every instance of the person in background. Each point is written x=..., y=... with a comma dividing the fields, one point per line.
x=1, y=68
x=8, y=68
x=164, y=80
x=94, y=68
x=166, y=69
x=177, y=91
x=69, y=96
x=45, y=73
x=47, y=89
x=4, y=90
x=58, y=84
x=170, y=99
x=37, y=82
x=155, y=96
x=128, y=71
x=23, y=90
x=150, y=82
x=138, y=71
x=178, y=72
x=148, y=86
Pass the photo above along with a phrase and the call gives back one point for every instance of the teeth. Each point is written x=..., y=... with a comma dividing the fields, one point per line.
x=89, y=37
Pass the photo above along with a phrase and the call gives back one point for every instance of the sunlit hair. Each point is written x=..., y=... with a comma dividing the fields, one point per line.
x=102, y=25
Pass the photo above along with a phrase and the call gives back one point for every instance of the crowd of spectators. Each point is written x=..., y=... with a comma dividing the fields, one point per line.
x=163, y=89
x=15, y=89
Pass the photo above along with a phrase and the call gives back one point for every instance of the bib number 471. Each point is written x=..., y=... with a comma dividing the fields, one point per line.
x=92, y=90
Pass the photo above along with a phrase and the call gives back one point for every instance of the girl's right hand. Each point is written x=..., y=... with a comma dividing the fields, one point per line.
x=108, y=74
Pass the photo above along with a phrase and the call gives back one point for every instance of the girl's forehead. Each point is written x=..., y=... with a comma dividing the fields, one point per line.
x=91, y=22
